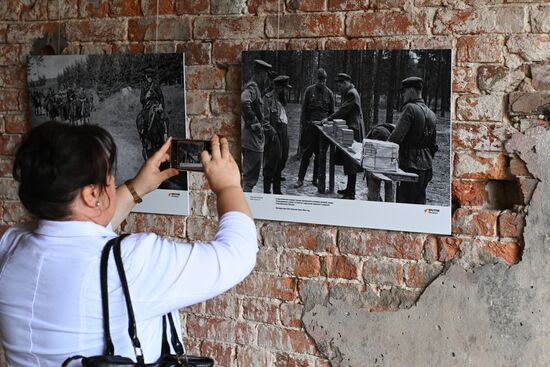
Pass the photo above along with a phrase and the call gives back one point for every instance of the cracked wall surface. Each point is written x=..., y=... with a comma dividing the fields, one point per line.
x=493, y=315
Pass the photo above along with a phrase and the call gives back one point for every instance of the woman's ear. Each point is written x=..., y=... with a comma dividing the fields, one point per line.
x=89, y=195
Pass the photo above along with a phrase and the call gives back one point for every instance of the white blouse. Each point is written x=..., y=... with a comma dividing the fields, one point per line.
x=50, y=298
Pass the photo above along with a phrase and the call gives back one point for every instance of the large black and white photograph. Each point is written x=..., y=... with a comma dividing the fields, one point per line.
x=139, y=99
x=357, y=138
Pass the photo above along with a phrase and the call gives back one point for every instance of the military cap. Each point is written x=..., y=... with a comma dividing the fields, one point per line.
x=282, y=81
x=148, y=71
x=261, y=64
x=341, y=77
x=412, y=82
x=272, y=74
x=321, y=74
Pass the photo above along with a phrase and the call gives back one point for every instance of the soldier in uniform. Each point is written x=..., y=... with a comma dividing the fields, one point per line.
x=350, y=111
x=276, y=134
x=415, y=132
x=150, y=96
x=252, y=125
x=317, y=105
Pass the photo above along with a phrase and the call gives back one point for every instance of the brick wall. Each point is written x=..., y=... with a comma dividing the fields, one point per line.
x=500, y=81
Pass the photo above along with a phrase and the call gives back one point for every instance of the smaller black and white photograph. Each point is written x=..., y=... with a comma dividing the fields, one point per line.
x=139, y=99
x=347, y=126
x=186, y=154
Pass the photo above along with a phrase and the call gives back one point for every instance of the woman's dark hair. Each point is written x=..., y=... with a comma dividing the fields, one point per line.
x=55, y=160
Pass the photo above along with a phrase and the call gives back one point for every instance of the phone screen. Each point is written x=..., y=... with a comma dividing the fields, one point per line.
x=185, y=154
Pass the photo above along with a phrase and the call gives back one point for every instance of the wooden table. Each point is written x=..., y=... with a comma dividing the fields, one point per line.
x=328, y=144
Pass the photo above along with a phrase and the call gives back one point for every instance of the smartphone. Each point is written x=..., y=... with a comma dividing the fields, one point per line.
x=185, y=154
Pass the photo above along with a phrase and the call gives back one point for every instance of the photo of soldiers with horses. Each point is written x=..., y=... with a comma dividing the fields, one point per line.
x=139, y=98
x=295, y=103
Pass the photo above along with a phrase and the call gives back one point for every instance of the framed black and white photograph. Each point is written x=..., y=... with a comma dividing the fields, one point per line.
x=139, y=99
x=357, y=138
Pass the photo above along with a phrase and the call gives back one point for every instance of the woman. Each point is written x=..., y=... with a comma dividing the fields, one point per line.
x=50, y=300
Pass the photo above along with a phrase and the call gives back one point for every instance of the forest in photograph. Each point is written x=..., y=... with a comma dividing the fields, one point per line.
x=377, y=77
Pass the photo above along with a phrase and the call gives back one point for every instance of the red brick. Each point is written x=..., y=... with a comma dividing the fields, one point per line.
x=96, y=48
x=200, y=228
x=481, y=165
x=15, y=212
x=510, y=252
x=249, y=356
x=291, y=314
x=499, y=79
x=221, y=103
x=220, y=329
x=530, y=47
x=165, y=7
x=305, y=25
x=469, y=193
x=386, y=24
x=304, y=44
x=96, y=30
x=3, y=32
x=28, y=32
x=311, y=238
x=338, y=5
x=184, y=7
x=192, y=345
x=303, y=265
x=196, y=102
x=383, y=272
x=9, y=100
x=3, y=227
x=228, y=27
x=12, y=77
x=131, y=48
x=204, y=77
x=227, y=52
x=340, y=267
x=9, y=55
x=152, y=223
x=8, y=143
x=16, y=124
x=284, y=339
x=204, y=127
x=6, y=166
x=486, y=48
x=10, y=10
x=480, y=20
x=464, y=79
x=287, y=360
x=479, y=107
x=94, y=8
x=431, y=42
x=380, y=244
x=196, y=53
x=125, y=8
x=224, y=7
x=419, y=275
x=161, y=47
x=267, y=285
x=233, y=78
x=37, y=10
x=169, y=29
x=306, y=5
x=226, y=305
x=387, y=4
x=260, y=310
x=267, y=260
x=267, y=45
x=221, y=353
x=441, y=249
x=8, y=189
x=475, y=222
x=518, y=168
x=511, y=224
x=481, y=136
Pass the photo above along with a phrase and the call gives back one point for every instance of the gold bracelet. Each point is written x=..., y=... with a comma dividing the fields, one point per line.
x=137, y=198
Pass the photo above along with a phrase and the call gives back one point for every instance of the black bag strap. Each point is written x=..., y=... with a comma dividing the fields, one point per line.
x=132, y=330
x=109, y=348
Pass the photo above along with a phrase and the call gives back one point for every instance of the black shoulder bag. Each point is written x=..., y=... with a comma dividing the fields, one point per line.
x=109, y=359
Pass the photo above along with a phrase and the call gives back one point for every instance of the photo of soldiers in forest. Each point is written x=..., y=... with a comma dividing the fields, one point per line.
x=342, y=111
x=138, y=98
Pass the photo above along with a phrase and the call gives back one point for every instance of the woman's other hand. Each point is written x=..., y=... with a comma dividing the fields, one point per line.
x=150, y=176
x=224, y=177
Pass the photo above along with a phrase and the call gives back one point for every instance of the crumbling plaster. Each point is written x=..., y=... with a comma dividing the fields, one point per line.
x=494, y=315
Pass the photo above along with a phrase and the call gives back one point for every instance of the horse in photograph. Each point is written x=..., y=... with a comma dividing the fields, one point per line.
x=37, y=99
x=153, y=125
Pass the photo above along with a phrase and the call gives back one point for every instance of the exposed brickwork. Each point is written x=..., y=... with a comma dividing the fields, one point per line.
x=500, y=85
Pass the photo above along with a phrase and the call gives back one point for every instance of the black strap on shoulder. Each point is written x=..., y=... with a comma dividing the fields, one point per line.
x=132, y=330
x=109, y=348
